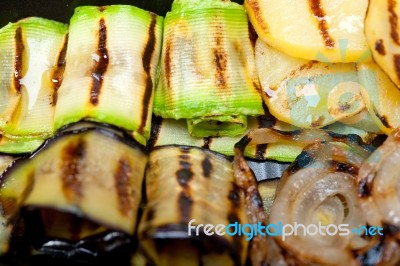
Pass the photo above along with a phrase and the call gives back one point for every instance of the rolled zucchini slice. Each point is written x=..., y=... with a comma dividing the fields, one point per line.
x=71, y=178
x=283, y=149
x=208, y=74
x=188, y=186
x=32, y=58
x=111, y=59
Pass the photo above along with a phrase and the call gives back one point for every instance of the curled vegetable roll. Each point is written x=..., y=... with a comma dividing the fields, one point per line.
x=208, y=73
x=70, y=195
x=110, y=72
x=187, y=185
x=32, y=61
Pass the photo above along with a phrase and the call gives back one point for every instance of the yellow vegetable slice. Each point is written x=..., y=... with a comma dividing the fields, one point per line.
x=306, y=93
x=382, y=32
x=381, y=96
x=331, y=31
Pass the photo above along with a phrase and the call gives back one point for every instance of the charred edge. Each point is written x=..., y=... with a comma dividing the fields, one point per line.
x=396, y=61
x=261, y=149
x=390, y=229
x=146, y=61
x=365, y=188
x=242, y=144
x=207, y=167
x=252, y=35
x=155, y=131
x=319, y=13
x=345, y=168
x=185, y=203
x=393, y=20
x=258, y=15
x=149, y=213
x=234, y=195
x=168, y=63
x=184, y=174
x=71, y=156
x=122, y=185
x=380, y=47
x=318, y=122
x=266, y=121
x=382, y=118
x=207, y=142
x=102, y=8
x=58, y=73
x=101, y=66
x=220, y=59
x=237, y=243
x=304, y=159
x=19, y=50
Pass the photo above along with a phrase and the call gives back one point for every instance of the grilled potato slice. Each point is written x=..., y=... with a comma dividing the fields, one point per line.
x=306, y=93
x=329, y=31
x=382, y=32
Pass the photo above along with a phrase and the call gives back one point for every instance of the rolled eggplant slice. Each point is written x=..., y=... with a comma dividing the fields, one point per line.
x=190, y=186
x=32, y=58
x=72, y=174
x=208, y=74
x=111, y=60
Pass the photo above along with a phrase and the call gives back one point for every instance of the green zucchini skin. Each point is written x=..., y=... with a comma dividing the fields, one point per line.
x=70, y=174
x=207, y=69
x=109, y=76
x=31, y=56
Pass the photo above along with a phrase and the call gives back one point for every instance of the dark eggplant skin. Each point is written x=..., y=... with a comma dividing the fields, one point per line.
x=30, y=230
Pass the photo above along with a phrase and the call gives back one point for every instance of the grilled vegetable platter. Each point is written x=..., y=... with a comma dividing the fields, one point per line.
x=200, y=132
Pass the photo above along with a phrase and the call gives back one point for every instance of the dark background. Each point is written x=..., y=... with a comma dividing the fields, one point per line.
x=62, y=10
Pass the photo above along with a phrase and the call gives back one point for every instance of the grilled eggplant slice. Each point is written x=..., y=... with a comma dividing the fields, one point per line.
x=328, y=31
x=111, y=59
x=305, y=93
x=185, y=183
x=31, y=56
x=208, y=74
x=91, y=173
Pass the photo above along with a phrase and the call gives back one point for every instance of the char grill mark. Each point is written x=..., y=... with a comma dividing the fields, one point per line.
x=19, y=51
x=319, y=13
x=72, y=155
x=393, y=21
x=220, y=59
x=58, y=73
x=101, y=66
x=122, y=184
x=146, y=62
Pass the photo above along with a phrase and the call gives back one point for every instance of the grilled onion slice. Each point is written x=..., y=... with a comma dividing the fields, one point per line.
x=185, y=183
x=208, y=74
x=109, y=77
x=90, y=173
x=320, y=189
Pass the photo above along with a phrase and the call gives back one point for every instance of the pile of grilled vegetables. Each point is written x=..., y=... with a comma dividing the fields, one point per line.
x=124, y=130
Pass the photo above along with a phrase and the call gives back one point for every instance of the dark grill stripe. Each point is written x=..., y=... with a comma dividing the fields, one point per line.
x=393, y=20
x=146, y=61
x=71, y=157
x=220, y=59
x=396, y=61
x=155, y=131
x=380, y=47
x=168, y=62
x=207, y=142
x=319, y=13
x=207, y=167
x=58, y=73
x=185, y=203
x=261, y=150
x=19, y=50
x=123, y=186
x=101, y=66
